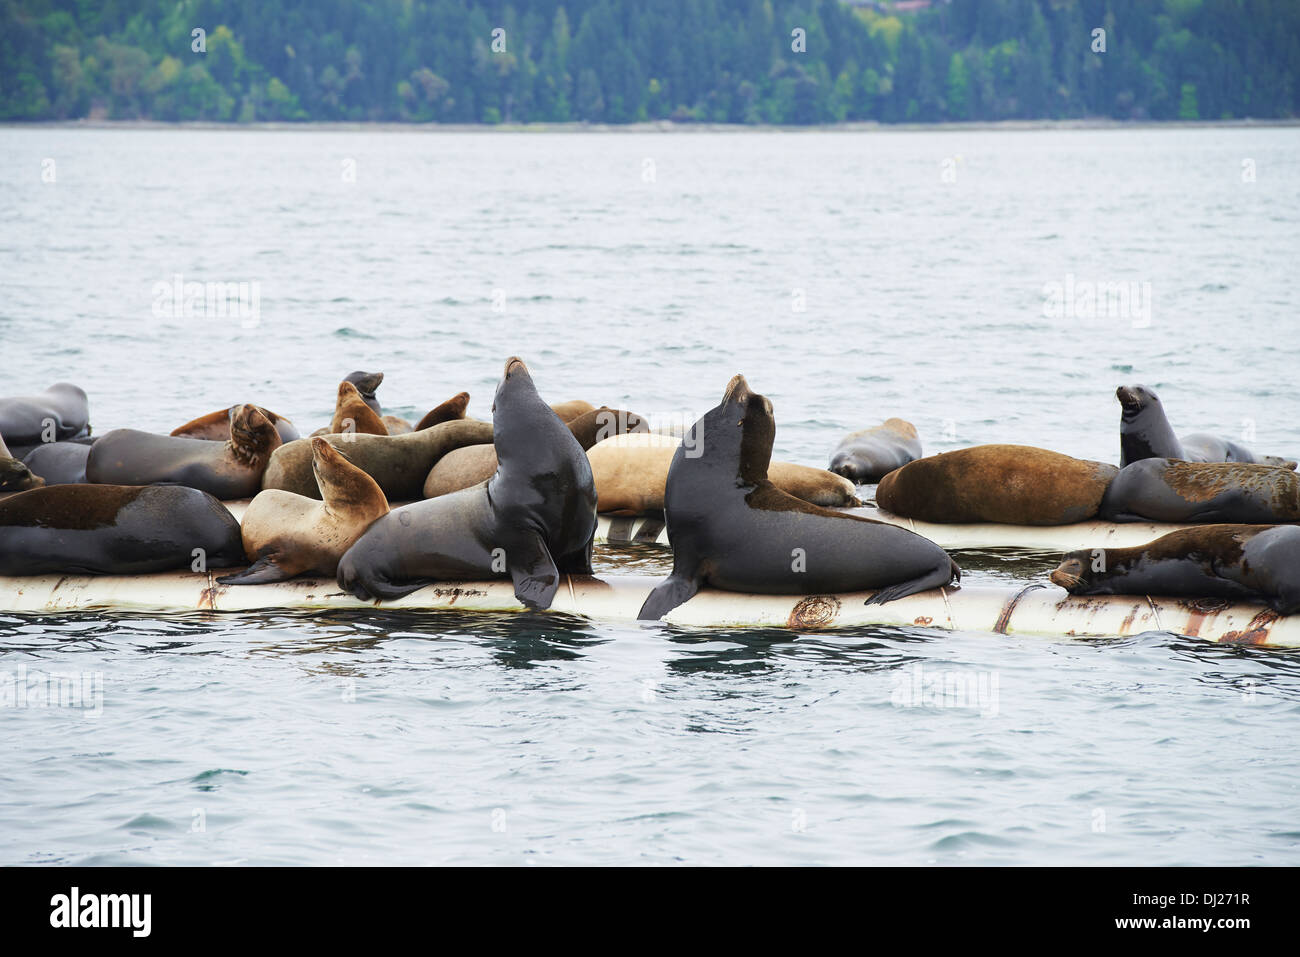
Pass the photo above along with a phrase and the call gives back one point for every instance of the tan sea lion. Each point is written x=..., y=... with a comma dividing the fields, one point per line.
x=1008, y=484
x=399, y=463
x=453, y=408
x=215, y=426
x=228, y=470
x=286, y=534
x=461, y=468
x=395, y=424
x=631, y=472
x=568, y=411
x=352, y=414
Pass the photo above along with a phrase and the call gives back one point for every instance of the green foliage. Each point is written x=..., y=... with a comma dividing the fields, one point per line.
x=615, y=61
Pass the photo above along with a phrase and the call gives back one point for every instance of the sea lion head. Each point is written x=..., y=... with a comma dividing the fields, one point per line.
x=1073, y=572
x=17, y=477
x=737, y=433
x=252, y=433
x=1134, y=399
x=515, y=394
x=366, y=382
x=341, y=482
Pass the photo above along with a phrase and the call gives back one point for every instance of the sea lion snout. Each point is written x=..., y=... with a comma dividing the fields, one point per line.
x=1069, y=574
x=515, y=365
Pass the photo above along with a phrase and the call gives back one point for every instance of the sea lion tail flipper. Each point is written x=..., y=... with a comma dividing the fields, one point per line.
x=668, y=594
x=935, y=579
x=261, y=572
x=533, y=572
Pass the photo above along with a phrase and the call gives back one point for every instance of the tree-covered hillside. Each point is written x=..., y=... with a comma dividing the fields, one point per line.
x=733, y=61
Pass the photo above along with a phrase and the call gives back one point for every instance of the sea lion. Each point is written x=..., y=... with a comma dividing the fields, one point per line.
x=1008, y=484
x=869, y=455
x=1203, y=447
x=15, y=475
x=1169, y=490
x=399, y=463
x=532, y=521
x=632, y=471
x=395, y=425
x=353, y=414
x=228, y=470
x=59, y=463
x=367, y=383
x=461, y=468
x=731, y=528
x=1212, y=561
x=453, y=408
x=60, y=412
x=115, y=530
x=1145, y=433
x=568, y=411
x=215, y=426
x=287, y=534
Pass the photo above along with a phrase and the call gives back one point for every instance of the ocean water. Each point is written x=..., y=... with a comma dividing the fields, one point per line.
x=939, y=276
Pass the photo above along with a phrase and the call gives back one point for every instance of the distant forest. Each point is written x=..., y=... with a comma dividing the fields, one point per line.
x=601, y=61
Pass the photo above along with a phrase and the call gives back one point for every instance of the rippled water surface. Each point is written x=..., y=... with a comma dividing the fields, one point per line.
x=849, y=282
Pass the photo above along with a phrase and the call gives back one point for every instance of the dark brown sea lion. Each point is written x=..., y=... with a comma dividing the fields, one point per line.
x=1008, y=484
x=1212, y=561
x=533, y=521
x=287, y=534
x=399, y=463
x=227, y=470
x=731, y=528
x=461, y=468
x=115, y=530
x=871, y=454
x=1167, y=490
x=215, y=426
x=453, y=408
x=60, y=412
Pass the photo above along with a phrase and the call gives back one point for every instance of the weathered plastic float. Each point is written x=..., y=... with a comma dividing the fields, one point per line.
x=615, y=530
x=1030, y=610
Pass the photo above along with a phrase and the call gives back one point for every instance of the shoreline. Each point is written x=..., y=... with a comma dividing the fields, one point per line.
x=658, y=126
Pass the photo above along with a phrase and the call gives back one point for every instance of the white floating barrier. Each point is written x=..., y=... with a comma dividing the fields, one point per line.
x=1031, y=610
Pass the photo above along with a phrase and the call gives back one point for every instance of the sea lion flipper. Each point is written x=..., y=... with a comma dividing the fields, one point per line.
x=668, y=594
x=261, y=572
x=938, y=578
x=533, y=572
